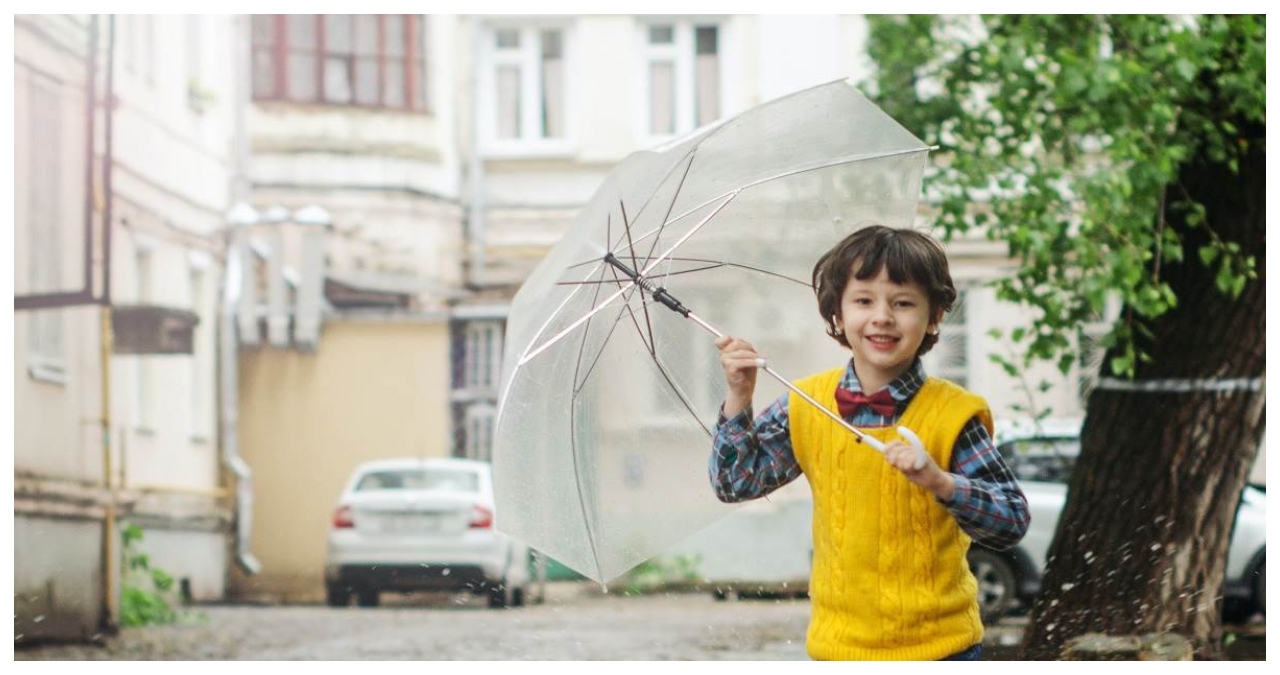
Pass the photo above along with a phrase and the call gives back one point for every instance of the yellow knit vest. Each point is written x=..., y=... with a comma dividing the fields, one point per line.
x=890, y=580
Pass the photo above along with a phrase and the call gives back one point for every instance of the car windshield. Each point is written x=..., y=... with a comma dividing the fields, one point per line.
x=420, y=479
x=1047, y=460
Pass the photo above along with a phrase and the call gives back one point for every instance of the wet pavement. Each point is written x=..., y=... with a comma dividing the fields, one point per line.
x=576, y=622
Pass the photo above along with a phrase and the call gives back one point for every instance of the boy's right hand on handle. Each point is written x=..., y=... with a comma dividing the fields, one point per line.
x=741, y=363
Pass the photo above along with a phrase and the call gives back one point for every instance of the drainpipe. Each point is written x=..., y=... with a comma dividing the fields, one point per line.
x=229, y=401
x=238, y=218
x=106, y=332
x=476, y=217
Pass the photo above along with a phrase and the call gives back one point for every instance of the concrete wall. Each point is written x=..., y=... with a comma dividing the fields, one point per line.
x=374, y=389
x=57, y=579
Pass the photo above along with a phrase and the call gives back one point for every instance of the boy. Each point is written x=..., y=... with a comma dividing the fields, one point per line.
x=890, y=580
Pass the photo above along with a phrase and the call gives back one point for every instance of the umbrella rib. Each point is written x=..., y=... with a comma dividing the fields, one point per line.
x=577, y=382
x=587, y=522
x=651, y=344
x=582, y=499
x=685, y=237
x=529, y=355
x=711, y=265
x=693, y=152
x=680, y=394
x=847, y=159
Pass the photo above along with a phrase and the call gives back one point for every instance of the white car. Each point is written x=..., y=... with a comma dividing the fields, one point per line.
x=1042, y=457
x=421, y=524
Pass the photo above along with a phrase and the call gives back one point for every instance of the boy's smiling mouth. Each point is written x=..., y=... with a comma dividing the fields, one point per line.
x=882, y=341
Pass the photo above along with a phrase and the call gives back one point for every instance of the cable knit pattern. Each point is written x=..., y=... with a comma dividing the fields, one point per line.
x=890, y=580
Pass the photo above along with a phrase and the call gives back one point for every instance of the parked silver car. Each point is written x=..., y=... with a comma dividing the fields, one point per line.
x=1042, y=457
x=421, y=524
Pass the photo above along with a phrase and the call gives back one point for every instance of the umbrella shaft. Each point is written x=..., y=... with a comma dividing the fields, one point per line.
x=786, y=383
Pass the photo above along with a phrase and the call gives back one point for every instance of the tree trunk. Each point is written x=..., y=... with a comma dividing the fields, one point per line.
x=1142, y=542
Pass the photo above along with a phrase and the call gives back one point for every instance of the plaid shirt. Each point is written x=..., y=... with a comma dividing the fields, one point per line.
x=750, y=461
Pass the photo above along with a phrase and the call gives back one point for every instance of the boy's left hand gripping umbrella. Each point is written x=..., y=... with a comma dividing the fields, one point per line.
x=607, y=401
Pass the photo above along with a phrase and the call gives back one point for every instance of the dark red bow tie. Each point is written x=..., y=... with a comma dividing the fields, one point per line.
x=881, y=402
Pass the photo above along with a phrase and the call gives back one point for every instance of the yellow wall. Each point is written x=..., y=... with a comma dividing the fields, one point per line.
x=372, y=390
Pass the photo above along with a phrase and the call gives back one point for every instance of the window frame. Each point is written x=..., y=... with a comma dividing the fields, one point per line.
x=478, y=430
x=955, y=342
x=46, y=349
x=415, y=62
x=482, y=345
x=683, y=55
x=528, y=57
x=144, y=261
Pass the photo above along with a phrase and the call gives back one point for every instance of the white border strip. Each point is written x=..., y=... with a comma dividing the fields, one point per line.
x=1182, y=385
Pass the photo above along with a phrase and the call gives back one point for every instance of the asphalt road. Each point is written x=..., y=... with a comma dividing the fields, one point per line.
x=576, y=622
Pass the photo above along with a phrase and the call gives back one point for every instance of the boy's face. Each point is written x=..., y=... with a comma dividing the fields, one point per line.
x=884, y=323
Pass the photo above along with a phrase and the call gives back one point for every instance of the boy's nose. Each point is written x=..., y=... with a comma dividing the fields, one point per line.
x=882, y=314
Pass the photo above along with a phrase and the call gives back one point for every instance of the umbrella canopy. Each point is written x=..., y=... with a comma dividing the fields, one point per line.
x=608, y=400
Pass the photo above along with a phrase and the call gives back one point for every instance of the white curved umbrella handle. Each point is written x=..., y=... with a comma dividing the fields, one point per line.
x=907, y=435
x=914, y=440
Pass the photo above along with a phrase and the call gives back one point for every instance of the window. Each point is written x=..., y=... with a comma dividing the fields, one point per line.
x=46, y=209
x=194, y=48
x=149, y=48
x=128, y=27
x=682, y=67
x=478, y=429
x=142, y=390
x=482, y=354
x=949, y=358
x=200, y=385
x=523, y=87
x=419, y=479
x=369, y=60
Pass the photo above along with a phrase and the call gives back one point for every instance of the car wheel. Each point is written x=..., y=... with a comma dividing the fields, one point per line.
x=1260, y=587
x=336, y=595
x=997, y=584
x=367, y=597
x=500, y=596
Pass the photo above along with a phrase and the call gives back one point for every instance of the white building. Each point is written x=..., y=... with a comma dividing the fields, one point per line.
x=104, y=435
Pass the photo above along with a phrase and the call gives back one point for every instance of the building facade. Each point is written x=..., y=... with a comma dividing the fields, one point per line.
x=125, y=157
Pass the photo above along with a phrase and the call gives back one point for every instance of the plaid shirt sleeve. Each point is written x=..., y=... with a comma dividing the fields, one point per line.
x=750, y=459
x=988, y=504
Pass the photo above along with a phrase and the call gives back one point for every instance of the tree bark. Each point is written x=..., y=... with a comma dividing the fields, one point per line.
x=1142, y=542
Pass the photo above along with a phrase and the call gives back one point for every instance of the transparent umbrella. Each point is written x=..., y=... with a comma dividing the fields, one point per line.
x=608, y=398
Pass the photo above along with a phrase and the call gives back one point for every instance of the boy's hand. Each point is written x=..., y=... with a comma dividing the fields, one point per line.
x=741, y=363
x=902, y=456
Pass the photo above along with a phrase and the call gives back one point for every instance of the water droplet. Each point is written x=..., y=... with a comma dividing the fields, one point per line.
x=1068, y=586
x=445, y=571
x=38, y=618
x=1155, y=547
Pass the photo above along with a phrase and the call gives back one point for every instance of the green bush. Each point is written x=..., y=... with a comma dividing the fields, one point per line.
x=147, y=593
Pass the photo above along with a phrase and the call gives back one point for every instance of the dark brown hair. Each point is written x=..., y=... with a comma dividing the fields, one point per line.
x=909, y=256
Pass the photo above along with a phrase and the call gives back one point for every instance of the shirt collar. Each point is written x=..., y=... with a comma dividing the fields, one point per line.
x=901, y=389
